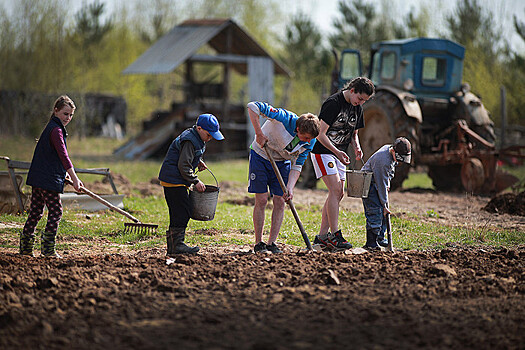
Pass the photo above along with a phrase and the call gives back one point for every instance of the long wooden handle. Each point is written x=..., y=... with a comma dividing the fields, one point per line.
x=276, y=170
x=109, y=205
x=289, y=201
x=390, y=246
x=106, y=203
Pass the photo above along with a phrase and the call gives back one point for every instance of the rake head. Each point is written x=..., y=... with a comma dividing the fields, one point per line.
x=139, y=227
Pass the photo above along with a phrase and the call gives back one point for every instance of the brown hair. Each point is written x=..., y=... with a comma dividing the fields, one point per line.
x=361, y=85
x=62, y=101
x=308, y=123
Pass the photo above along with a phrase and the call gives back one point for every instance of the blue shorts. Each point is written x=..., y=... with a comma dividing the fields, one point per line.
x=262, y=176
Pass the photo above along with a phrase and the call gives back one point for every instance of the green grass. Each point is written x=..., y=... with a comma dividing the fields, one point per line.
x=233, y=223
x=418, y=180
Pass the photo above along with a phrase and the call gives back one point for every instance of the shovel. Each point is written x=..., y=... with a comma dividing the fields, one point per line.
x=390, y=246
x=289, y=201
x=129, y=227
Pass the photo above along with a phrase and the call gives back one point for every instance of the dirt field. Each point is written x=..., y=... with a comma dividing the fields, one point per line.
x=227, y=298
x=448, y=299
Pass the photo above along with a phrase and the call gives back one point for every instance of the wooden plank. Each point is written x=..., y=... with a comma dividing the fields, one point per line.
x=16, y=190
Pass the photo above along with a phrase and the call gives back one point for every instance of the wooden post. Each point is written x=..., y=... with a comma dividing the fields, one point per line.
x=188, y=83
x=227, y=73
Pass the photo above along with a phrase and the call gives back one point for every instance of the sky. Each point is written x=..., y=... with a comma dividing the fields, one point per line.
x=323, y=12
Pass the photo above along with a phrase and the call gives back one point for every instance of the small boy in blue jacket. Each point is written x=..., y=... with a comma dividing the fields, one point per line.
x=383, y=165
x=177, y=175
x=289, y=138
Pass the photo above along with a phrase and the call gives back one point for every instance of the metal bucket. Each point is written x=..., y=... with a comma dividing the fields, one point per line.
x=204, y=203
x=358, y=183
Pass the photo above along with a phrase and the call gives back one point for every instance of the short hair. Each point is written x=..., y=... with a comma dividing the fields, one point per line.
x=361, y=85
x=309, y=123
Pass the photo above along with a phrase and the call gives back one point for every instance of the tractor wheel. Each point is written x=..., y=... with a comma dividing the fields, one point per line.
x=385, y=120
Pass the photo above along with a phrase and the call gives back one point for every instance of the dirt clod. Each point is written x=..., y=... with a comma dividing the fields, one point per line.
x=444, y=270
x=508, y=203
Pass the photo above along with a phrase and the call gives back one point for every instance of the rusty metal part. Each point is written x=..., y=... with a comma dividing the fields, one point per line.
x=472, y=175
x=513, y=151
x=462, y=151
x=462, y=124
x=479, y=171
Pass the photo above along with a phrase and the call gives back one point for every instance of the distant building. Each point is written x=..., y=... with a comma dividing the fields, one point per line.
x=235, y=50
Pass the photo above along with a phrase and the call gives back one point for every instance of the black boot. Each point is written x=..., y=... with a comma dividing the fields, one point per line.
x=47, y=248
x=371, y=243
x=26, y=244
x=175, y=241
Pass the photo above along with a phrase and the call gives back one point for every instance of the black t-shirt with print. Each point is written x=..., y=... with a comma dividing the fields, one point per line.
x=343, y=119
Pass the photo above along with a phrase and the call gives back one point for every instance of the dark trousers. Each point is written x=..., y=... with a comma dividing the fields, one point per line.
x=179, y=206
x=375, y=219
x=39, y=199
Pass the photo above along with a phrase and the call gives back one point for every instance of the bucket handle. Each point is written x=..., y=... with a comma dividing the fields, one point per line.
x=362, y=161
x=216, y=182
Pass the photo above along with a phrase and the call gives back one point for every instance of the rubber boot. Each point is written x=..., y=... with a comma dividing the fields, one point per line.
x=170, y=243
x=371, y=240
x=175, y=241
x=26, y=244
x=47, y=248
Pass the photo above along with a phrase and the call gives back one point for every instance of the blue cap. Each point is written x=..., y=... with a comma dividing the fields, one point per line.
x=210, y=123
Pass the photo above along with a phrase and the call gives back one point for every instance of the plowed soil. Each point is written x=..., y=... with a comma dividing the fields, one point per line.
x=507, y=203
x=228, y=298
x=447, y=299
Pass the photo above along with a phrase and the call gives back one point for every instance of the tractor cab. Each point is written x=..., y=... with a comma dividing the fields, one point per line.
x=424, y=67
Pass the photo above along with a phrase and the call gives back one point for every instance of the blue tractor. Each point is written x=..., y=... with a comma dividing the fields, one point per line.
x=420, y=95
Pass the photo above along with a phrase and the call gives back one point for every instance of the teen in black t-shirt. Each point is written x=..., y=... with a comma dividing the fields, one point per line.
x=341, y=116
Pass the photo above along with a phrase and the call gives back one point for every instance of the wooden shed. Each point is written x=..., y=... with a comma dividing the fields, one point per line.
x=235, y=50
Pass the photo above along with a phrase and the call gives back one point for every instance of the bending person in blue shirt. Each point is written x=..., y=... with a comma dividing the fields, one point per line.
x=383, y=165
x=289, y=139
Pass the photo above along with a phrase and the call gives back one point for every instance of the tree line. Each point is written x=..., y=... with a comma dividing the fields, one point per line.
x=44, y=47
x=489, y=62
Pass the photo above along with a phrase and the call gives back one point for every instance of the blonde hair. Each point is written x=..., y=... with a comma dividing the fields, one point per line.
x=62, y=101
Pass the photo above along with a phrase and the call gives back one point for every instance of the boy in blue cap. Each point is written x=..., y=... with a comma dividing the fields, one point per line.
x=177, y=174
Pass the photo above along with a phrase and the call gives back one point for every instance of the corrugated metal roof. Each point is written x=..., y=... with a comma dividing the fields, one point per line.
x=184, y=40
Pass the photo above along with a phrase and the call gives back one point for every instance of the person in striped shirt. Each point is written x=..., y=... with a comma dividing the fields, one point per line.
x=289, y=139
